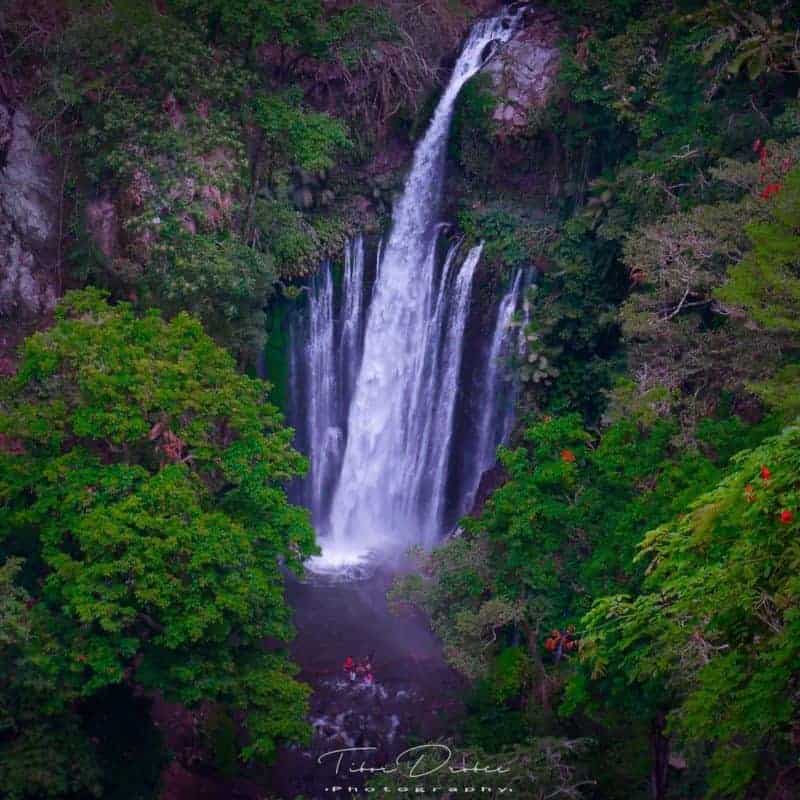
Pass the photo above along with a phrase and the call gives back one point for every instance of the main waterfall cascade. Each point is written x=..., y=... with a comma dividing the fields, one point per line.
x=377, y=363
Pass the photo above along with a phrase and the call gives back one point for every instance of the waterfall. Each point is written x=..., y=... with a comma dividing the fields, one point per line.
x=497, y=392
x=380, y=500
x=325, y=436
x=352, y=318
x=418, y=471
x=324, y=356
x=442, y=415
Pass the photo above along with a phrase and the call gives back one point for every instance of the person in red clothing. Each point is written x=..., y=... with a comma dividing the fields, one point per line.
x=350, y=668
x=561, y=642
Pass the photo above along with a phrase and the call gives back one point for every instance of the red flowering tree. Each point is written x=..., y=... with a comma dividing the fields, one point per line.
x=719, y=617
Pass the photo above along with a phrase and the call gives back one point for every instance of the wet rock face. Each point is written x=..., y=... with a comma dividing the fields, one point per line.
x=28, y=220
x=491, y=480
x=524, y=72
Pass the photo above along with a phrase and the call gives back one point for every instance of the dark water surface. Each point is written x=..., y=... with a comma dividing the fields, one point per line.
x=415, y=698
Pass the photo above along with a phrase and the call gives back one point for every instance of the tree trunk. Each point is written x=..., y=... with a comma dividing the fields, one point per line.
x=659, y=753
x=540, y=685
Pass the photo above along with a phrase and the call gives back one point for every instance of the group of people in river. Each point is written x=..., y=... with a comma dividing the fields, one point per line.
x=359, y=669
x=561, y=643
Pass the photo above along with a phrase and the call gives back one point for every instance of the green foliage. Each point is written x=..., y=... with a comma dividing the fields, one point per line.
x=608, y=15
x=219, y=279
x=297, y=242
x=750, y=42
x=573, y=329
x=294, y=138
x=691, y=267
x=511, y=241
x=133, y=76
x=766, y=283
x=144, y=488
x=509, y=673
x=562, y=531
x=302, y=137
x=472, y=130
x=781, y=392
x=158, y=137
x=495, y=721
x=352, y=34
x=717, y=620
x=254, y=22
x=160, y=125
x=458, y=592
x=42, y=750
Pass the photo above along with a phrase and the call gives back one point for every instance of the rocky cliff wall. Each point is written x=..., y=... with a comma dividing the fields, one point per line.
x=29, y=229
x=524, y=72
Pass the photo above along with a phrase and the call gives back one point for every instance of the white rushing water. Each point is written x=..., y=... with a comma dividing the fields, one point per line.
x=381, y=420
x=325, y=437
x=323, y=366
x=352, y=318
x=498, y=393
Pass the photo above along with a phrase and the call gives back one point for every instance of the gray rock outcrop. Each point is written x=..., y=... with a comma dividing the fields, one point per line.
x=524, y=72
x=29, y=209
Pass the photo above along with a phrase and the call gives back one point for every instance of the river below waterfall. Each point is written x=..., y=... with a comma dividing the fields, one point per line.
x=415, y=696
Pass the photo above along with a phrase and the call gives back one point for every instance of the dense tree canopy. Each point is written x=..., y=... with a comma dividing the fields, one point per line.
x=717, y=620
x=253, y=22
x=146, y=525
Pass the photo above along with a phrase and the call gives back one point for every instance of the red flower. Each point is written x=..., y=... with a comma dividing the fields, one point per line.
x=567, y=456
x=765, y=472
x=786, y=517
x=770, y=190
x=749, y=493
